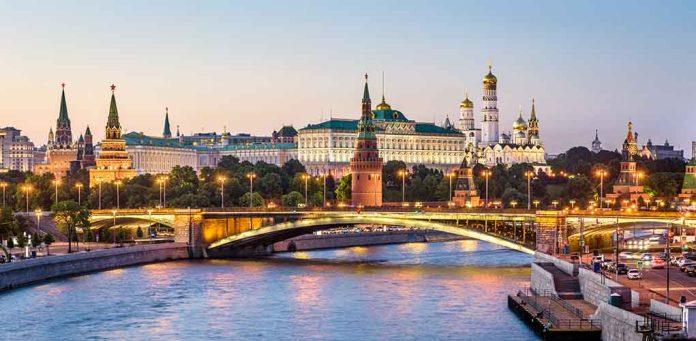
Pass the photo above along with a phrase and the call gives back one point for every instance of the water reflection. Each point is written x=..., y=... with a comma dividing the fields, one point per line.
x=417, y=291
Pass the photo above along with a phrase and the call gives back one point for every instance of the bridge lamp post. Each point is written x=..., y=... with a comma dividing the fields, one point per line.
x=572, y=204
x=450, y=175
x=100, y=186
x=306, y=198
x=536, y=204
x=113, y=213
x=486, y=174
x=56, y=182
x=118, y=198
x=79, y=193
x=251, y=176
x=149, y=214
x=38, y=219
x=4, y=189
x=555, y=204
x=601, y=174
x=513, y=203
x=529, y=175
x=402, y=174
x=221, y=180
x=27, y=189
x=323, y=175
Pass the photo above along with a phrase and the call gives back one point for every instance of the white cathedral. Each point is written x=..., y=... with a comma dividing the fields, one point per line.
x=486, y=145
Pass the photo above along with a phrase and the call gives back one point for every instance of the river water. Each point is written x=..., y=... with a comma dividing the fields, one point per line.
x=419, y=291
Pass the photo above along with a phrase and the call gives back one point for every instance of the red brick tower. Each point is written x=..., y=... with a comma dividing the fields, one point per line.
x=366, y=165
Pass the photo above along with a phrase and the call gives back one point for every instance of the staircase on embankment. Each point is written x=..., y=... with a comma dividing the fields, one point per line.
x=567, y=286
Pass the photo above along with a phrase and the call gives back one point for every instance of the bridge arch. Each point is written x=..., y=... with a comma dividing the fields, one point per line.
x=270, y=234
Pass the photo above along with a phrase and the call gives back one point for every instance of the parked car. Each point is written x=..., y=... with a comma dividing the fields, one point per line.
x=684, y=264
x=634, y=274
x=675, y=260
x=646, y=257
x=608, y=264
x=621, y=268
x=599, y=259
x=690, y=270
x=625, y=255
x=658, y=263
x=682, y=261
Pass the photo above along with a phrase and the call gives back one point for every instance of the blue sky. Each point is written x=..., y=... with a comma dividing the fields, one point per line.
x=253, y=66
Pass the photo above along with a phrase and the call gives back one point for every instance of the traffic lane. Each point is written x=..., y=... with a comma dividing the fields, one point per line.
x=654, y=281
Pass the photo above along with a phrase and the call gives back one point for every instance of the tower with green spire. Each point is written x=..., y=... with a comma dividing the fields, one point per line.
x=366, y=165
x=113, y=163
x=63, y=135
x=167, y=133
x=533, y=126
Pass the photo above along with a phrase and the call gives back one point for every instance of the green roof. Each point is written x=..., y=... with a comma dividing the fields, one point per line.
x=352, y=125
x=63, y=114
x=287, y=131
x=167, y=130
x=430, y=128
x=140, y=139
x=112, y=121
x=389, y=115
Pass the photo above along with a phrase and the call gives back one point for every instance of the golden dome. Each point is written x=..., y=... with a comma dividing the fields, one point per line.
x=489, y=80
x=520, y=123
x=383, y=105
x=466, y=103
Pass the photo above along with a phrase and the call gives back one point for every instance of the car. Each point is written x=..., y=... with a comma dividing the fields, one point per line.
x=607, y=265
x=675, y=260
x=625, y=255
x=658, y=263
x=599, y=259
x=684, y=264
x=681, y=262
x=690, y=270
x=646, y=257
x=621, y=268
x=634, y=274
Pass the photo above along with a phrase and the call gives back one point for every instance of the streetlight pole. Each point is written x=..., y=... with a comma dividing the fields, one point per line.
x=99, y=183
x=324, y=201
x=450, y=175
x=27, y=189
x=222, y=179
x=251, y=176
x=4, y=188
x=79, y=193
x=601, y=174
x=38, y=219
x=403, y=173
x=306, y=198
x=114, y=227
x=164, y=191
x=616, y=250
x=486, y=174
x=529, y=175
x=56, y=182
x=118, y=198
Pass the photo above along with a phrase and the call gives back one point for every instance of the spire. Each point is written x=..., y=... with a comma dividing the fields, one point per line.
x=177, y=131
x=113, y=122
x=167, y=131
x=366, y=92
x=366, y=126
x=88, y=132
x=81, y=139
x=532, y=116
x=63, y=115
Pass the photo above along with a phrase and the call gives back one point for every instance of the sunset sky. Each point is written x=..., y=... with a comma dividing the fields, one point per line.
x=253, y=66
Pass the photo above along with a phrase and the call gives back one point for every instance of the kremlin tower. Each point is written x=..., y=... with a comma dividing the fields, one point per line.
x=113, y=162
x=366, y=165
x=489, y=112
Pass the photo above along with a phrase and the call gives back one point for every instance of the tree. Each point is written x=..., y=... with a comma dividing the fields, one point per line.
x=10, y=241
x=48, y=239
x=68, y=215
x=344, y=188
x=35, y=240
x=293, y=167
x=257, y=200
x=292, y=199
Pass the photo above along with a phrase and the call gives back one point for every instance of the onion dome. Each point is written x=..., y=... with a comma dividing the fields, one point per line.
x=489, y=80
x=520, y=123
x=466, y=103
x=383, y=105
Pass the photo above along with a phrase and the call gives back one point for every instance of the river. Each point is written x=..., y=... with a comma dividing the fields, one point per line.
x=418, y=291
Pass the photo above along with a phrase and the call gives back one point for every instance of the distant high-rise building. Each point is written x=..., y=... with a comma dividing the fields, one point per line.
x=16, y=151
x=596, y=144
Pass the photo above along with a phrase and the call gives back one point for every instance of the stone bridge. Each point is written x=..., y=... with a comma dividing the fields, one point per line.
x=236, y=232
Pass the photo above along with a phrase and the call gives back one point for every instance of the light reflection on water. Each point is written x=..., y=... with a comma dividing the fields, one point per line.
x=419, y=291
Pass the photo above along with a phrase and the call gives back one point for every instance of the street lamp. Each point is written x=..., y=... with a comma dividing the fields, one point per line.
x=601, y=174
x=118, y=198
x=486, y=174
x=536, y=204
x=221, y=179
x=513, y=203
x=555, y=204
x=162, y=180
x=529, y=175
x=56, y=182
x=99, y=182
x=79, y=193
x=113, y=212
x=251, y=176
x=323, y=175
x=4, y=189
x=572, y=204
x=38, y=219
x=27, y=189
x=402, y=174
x=306, y=198
x=450, y=175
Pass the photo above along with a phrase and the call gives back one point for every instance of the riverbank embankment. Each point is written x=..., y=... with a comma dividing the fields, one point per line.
x=44, y=268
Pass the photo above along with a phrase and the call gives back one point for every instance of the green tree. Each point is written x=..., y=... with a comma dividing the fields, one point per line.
x=48, y=239
x=10, y=241
x=344, y=188
x=68, y=215
x=293, y=199
x=35, y=240
x=293, y=167
x=257, y=200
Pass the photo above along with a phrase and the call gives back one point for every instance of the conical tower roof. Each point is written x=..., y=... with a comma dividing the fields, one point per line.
x=63, y=114
x=112, y=121
x=167, y=133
